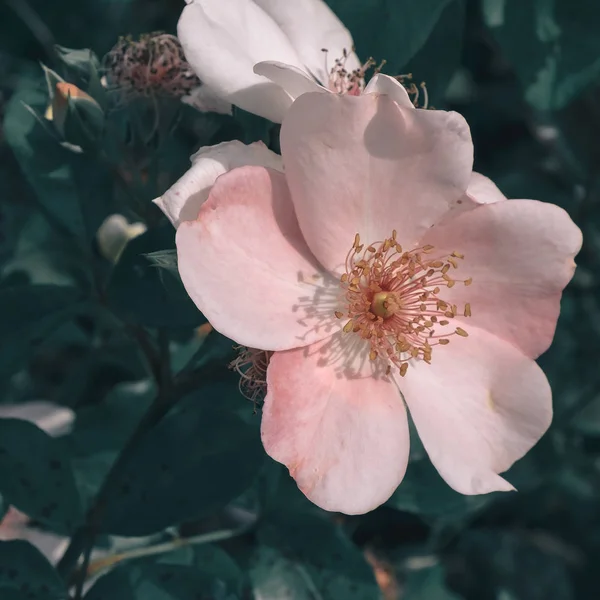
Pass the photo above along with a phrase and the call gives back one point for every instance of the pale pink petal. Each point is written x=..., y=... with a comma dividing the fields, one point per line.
x=246, y=266
x=182, y=201
x=341, y=431
x=312, y=26
x=384, y=84
x=292, y=80
x=481, y=190
x=223, y=40
x=520, y=256
x=367, y=165
x=479, y=407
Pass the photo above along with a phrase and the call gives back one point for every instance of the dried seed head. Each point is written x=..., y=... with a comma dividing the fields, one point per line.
x=153, y=65
x=251, y=365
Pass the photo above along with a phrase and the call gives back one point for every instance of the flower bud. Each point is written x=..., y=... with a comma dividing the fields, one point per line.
x=74, y=112
x=114, y=234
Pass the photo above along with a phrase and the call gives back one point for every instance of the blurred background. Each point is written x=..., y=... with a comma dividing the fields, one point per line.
x=97, y=332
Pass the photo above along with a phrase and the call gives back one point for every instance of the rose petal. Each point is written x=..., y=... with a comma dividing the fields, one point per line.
x=246, y=266
x=520, y=256
x=182, y=201
x=479, y=407
x=222, y=41
x=204, y=99
x=367, y=165
x=384, y=84
x=481, y=190
x=312, y=26
x=292, y=80
x=343, y=434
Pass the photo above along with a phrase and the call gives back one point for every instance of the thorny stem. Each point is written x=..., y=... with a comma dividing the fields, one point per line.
x=169, y=392
x=84, y=568
x=84, y=537
x=179, y=542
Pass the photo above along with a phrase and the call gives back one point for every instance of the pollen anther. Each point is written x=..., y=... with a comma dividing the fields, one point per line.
x=391, y=298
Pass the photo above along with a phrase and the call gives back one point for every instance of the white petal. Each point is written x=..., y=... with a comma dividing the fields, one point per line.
x=55, y=420
x=312, y=26
x=384, y=84
x=114, y=233
x=204, y=99
x=294, y=81
x=223, y=40
x=183, y=200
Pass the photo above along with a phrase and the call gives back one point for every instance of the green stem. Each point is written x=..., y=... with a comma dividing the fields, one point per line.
x=165, y=547
x=84, y=568
x=84, y=536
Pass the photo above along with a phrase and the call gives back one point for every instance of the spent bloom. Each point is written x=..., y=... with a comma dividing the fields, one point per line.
x=262, y=54
x=154, y=65
x=380, y=273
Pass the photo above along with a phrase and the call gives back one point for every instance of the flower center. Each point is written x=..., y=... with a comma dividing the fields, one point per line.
x=393, y=300
x=343, y=81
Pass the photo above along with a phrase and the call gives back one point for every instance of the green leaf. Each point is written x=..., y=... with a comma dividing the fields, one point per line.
x=25, y=570
x=83, y=123
x=78, y=61
x=154, y=581
x=42, y=159
x=195, y=461
x=146, y=294
x=4, y=506
x=423, y=492
x=392, y=30
x=212, y=560
x=437, y=60
x=101, y=431
x=305, y=557
x=587, y=420
x=517, y=563
x=255, y=128
x=73, y=189
x=36, y=475
x=52, y=78
x=427, y=584
x=215, y=561
x=553, y=45
x=29, y=314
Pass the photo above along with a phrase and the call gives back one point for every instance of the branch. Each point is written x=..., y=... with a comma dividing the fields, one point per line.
x=84, y=537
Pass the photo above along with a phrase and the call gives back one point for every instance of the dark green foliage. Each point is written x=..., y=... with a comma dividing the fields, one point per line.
x=552, y=44
x=387, y=29
x=159, y=582
x=427, y=583
x=36, y=475
x=30, y=313
x=303, y=556
x=25, y=573
x=146, y=294
x=197, y=460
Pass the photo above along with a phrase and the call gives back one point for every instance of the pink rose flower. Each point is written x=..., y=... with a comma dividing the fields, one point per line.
x=382, y=273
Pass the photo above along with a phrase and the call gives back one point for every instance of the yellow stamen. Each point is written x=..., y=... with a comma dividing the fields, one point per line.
x=392, y=300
